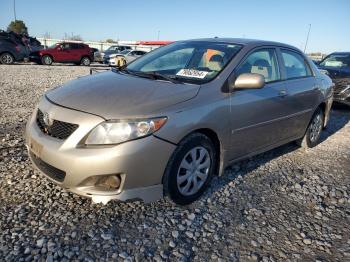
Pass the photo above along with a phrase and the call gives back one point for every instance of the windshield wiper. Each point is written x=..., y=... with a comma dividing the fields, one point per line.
x=150, y=75
x=172, y=79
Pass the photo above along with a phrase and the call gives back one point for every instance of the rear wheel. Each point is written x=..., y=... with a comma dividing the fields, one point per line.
x=313, y=132
x=85, y=61
x=7, y=58
x=46, y=60
x=190, y=169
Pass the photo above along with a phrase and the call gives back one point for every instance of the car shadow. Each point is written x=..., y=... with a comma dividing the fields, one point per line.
x=340, y=116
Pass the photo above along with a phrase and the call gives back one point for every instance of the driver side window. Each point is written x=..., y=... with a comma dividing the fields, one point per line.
x=263, y=62
x=65, y=46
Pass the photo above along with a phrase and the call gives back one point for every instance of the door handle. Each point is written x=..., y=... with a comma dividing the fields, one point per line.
x=282, y=93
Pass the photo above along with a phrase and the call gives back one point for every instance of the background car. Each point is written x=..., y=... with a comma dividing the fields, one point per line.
x=128, y=55
x=96, y=54
x=114, y=49
x=337, y=67
x=66, y=52
x=10, y=49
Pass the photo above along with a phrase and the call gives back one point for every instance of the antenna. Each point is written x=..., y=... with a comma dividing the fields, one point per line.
x=307, y=38
x=14, y=9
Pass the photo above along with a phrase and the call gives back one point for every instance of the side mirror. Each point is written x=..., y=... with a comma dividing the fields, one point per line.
x=248, y=81
x=59, y=48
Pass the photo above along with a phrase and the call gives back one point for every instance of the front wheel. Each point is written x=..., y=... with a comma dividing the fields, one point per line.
x=85, y=61
x=190, y=169
x=7, y=58
x=313, y=132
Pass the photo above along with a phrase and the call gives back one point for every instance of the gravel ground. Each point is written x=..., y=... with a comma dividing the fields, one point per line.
x=284, y=205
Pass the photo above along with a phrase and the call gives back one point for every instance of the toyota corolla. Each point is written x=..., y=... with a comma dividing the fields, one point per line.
x=174, y=118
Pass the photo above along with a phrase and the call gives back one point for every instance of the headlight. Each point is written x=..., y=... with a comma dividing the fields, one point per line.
x=115, y=132
x=323, y=71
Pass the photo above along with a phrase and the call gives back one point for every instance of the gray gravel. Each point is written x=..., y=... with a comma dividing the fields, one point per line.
x=285, y=205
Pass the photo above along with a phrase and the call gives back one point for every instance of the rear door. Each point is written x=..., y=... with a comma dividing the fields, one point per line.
x=302, y=89
x=77, y=51
x=258, y=116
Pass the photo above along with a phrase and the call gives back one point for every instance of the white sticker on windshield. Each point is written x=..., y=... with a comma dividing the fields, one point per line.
x=192, y=73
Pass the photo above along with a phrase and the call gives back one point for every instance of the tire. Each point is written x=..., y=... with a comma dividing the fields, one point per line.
x=181, y=172
x=313, y=131
x=85, y=61
x=46, y=60
x=6, y=58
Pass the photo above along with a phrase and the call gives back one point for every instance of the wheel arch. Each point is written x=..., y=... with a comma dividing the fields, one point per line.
x=7, y=52
x=83, y=56
x=47, y=54
x=213, y=136
x=325, y=107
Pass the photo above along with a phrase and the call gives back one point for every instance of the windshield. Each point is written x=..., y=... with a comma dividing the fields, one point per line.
x=125, y=52
x=53, y=46
x=189, y=61
x=336, y=60
x=112, y=48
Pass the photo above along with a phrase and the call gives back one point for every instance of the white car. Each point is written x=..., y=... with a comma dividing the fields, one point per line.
x=127, y=55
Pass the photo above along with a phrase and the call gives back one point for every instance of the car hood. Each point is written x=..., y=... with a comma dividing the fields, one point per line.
x=114, y=95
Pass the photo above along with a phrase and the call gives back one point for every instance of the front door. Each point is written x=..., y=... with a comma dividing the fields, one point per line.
x=258, y=116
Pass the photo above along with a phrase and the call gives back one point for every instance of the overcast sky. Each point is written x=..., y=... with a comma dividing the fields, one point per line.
x=277, y=20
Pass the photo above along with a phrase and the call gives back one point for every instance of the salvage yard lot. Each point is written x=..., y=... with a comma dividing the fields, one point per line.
x=286, y=204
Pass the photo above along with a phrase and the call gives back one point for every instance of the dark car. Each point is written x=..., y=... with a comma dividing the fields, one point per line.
x=337, y=67
x=33, y=44
x=66, y=52
x=11, y=51
x=115, y=49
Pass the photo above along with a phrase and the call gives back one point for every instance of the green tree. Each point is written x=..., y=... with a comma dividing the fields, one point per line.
x=109, y=40
x=18, y=26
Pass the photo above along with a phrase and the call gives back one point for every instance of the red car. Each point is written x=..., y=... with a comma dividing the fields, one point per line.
x=66, y=52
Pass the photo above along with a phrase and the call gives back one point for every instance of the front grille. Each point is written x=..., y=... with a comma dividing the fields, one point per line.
x=58, y=129
x=51, y=171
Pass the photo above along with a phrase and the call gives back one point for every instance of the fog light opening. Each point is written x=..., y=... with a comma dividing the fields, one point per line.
x=109, y=182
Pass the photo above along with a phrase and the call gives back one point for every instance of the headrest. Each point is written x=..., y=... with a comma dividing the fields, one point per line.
x=261, y=62
x=216, y=58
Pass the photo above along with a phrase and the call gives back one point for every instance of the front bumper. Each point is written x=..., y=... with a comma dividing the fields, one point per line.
x=35, y=58
x=140, y=163
x=342, y=90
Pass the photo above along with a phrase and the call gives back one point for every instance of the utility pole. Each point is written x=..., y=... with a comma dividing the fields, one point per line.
x=14, y=9
x=307, y=38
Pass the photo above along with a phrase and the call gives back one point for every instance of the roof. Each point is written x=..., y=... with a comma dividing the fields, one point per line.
x=340, y=53
x=243, y=41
